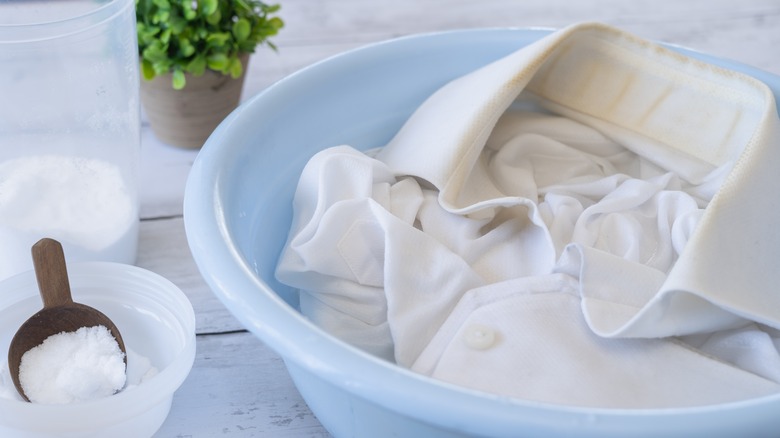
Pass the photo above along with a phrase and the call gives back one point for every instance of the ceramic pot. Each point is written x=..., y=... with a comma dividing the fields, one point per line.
x=186, y=117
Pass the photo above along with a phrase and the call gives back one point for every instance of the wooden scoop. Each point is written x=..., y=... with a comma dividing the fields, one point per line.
x=59, y=313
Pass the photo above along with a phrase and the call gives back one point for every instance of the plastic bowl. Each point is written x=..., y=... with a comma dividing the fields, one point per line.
x=157, y=323
x=237, y=213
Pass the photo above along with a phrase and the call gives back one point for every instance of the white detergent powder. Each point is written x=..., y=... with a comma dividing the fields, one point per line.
x=139, y=370
x=79, y=199
x=73, y=366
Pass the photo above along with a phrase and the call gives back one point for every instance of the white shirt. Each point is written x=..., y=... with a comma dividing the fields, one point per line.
x=587, y=221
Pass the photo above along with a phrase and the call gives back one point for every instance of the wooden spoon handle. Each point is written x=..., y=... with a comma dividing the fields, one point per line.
x=51, y=272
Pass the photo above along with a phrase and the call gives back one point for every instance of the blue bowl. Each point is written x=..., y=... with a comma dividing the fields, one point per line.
x=238, y=210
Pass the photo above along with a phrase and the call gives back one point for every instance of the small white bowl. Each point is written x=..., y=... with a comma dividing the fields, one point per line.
x=157, y=323
x=238, y=211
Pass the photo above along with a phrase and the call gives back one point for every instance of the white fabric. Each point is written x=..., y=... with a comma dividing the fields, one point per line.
x=587, y=221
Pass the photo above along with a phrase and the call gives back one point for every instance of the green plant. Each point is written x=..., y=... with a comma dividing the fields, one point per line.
x=178, y=36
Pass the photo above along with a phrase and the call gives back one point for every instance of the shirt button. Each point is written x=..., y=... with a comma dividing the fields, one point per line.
x=479, y=337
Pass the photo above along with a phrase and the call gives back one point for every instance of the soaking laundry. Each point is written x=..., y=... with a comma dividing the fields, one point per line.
x=587, y=221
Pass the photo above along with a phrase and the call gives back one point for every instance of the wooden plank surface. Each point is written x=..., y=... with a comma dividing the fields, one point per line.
x=238, y=387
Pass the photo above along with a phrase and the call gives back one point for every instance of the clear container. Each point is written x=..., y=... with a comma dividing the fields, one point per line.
x=69, y=129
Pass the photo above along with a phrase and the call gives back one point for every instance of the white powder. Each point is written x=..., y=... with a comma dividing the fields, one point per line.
x=73, y=366
x=139, y=370
x=88, y=204
x=78, y=199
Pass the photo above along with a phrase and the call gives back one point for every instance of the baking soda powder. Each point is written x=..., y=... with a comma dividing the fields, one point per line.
x=85, y=203
x=73, y=366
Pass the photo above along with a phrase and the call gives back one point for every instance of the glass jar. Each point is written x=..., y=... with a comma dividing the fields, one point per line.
x=69, y=129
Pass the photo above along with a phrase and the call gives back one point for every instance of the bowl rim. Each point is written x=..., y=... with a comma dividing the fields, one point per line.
x=382, y=382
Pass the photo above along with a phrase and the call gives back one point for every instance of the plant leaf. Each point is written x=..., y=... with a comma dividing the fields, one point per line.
x=161, y=16
x=241, y=29
x=214, y=17
x=177, y=25
x=217, y=39
x=186, y=48
x=156, y=51
x=197, y=66
x=218, y=62
x=165, y=36
x=162, y=67
x=276, y=22
x=147, y=70
x=188, y=12
x=207, y=7
x=179, y=81
x=235, y=68
x=270, y=9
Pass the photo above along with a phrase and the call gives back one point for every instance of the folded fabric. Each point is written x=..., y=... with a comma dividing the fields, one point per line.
x=587, y=221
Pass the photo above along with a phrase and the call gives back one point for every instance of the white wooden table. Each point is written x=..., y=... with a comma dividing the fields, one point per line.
x=238, y=386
